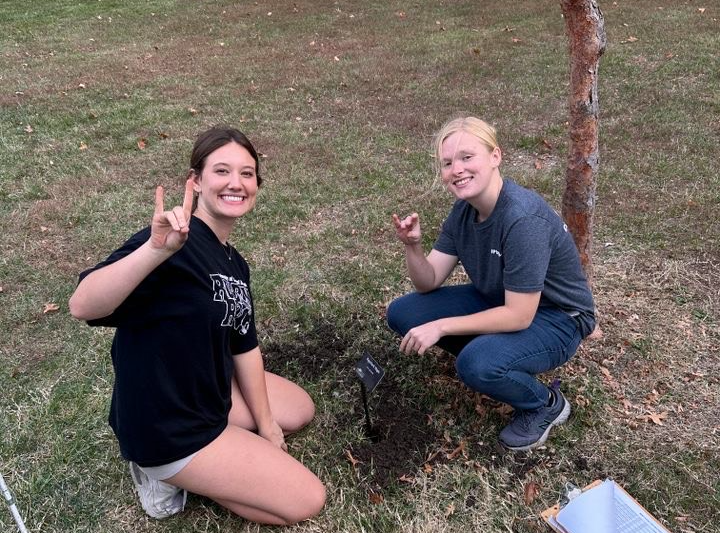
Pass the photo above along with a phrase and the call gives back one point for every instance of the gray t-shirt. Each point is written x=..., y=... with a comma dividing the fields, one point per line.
x=523, y=246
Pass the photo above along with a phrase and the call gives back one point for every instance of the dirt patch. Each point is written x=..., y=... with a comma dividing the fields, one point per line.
x=405, y=443
x=308, y=354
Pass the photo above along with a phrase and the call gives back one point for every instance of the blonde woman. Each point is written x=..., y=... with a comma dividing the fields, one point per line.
x=528, y=305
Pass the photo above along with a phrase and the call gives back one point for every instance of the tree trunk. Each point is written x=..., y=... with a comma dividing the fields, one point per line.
x=586, y=32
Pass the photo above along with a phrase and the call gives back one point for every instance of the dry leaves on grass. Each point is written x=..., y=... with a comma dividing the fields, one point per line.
x=532, y=490
x=354, y=462
x=50, y=308
x=375, y=497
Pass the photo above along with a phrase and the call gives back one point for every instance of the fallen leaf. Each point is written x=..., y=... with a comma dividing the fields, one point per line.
x=632, y=39
x=400, y=14
x=83, y=146
x=427, y=468
x=193, y=111
x=538, y=164
x=50, y=308
x=163, y=135
x=701, y=9
x=657, y=418
x=354, y=462
x=29, y=129
x=81, y=86
x=406, y=479
x=449, y=510
x=532, y=490
x=460, y=449
x=141, y=143
x=376, y=498
x=516, y=40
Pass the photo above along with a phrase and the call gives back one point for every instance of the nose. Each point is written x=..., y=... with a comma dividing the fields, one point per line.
x=235, y=181
x=457, y=167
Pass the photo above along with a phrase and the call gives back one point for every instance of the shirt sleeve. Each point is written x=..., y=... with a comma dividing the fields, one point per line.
x=132, y=307
x=526, y=251
x=445, y=242
x=245, y=339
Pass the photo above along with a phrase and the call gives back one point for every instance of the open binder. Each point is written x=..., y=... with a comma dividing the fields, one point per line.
x=602, y=507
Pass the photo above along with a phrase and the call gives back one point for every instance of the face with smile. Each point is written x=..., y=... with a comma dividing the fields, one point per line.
x=227, y=186
x=470, y=169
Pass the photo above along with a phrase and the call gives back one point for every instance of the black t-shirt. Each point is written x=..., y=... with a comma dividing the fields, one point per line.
x=173, y=349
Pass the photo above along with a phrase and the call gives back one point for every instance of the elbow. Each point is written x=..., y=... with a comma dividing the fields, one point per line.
x=524, y=321
x=79, y=308
x=76, y=308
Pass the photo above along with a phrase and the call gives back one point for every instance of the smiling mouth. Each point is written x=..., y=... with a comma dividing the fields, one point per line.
x=462, y=181
x=229, y=198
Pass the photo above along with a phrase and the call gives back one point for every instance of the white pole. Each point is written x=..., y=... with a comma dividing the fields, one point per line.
x=11, y=504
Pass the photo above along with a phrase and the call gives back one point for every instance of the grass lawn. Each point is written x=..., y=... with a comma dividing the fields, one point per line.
x=101, y=101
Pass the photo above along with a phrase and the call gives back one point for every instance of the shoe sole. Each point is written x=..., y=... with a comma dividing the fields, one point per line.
x=559, y=419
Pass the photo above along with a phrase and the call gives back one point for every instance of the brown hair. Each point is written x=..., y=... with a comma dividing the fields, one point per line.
x=217, y=137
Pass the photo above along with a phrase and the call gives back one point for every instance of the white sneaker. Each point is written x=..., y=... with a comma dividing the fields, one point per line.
x=159, y=499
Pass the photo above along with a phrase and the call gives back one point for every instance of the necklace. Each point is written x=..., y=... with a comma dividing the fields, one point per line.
x=228, y=250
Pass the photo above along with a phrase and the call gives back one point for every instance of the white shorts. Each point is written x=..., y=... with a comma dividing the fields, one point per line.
x=166, y=471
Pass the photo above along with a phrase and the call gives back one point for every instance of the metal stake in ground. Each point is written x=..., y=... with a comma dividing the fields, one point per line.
x=370, y=374
x=11, y=503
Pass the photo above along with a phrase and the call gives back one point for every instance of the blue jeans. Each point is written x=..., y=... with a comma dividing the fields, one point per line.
x=500, y=365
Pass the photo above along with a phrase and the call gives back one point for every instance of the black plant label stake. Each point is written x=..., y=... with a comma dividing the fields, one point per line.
x=370, y=374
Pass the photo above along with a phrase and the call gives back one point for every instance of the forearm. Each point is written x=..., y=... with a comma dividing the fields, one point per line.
x=495, y=320
x=421, y=272
x=103, y=290
x=250, y=376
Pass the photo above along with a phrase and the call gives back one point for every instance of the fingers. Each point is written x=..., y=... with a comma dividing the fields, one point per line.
x=406, y=223
x=159, y=200
x=177, y=219
x=188, y=198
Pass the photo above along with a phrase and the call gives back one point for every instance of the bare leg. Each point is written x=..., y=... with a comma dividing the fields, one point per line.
x=253, y=478
x=291, y=406
x=250, y=476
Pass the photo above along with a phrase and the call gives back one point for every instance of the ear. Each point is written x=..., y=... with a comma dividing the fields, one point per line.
x=496, y=156
x=196, y=179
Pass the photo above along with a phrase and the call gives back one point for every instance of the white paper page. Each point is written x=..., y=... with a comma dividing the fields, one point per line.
x=591, y=512
x=631, y=518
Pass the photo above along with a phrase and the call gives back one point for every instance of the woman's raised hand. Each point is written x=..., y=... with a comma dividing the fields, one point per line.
x=169, y=229
x=408, y=228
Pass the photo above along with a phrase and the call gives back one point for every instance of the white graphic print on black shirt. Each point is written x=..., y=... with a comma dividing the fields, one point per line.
x=236, y=297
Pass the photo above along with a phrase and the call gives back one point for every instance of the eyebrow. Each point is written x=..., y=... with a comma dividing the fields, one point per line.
x=459, y=153
x=223, y=163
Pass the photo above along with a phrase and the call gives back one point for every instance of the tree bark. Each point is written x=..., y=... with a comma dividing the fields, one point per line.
x=585, y=27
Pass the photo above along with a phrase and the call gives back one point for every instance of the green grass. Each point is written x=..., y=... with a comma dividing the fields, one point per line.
x=345, y=144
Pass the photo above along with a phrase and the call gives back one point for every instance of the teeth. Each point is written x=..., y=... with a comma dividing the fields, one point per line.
x=462, y=181
x=233, y=198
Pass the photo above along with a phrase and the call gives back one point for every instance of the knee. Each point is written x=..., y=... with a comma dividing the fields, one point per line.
x=476, y=369
x=399, y=314
x=393, y=316
x=309, y=503
x=303, y=412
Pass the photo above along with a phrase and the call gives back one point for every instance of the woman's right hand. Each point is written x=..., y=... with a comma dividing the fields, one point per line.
x=407, y=229
x=169, y=229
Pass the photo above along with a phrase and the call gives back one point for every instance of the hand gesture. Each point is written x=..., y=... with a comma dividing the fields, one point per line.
x=169, y=229
x=407, y=229
x=274, y=434
x=420, y=338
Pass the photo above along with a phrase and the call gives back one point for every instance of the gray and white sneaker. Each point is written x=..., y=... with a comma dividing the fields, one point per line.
x=159, y=499
x=530, y=429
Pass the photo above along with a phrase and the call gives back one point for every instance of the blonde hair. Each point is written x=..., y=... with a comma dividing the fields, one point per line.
x=484, y=132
